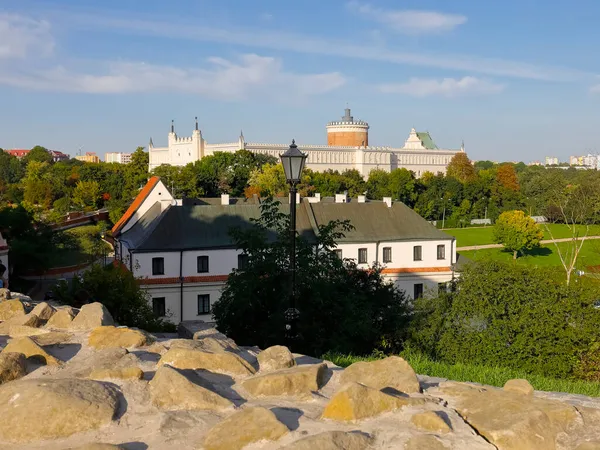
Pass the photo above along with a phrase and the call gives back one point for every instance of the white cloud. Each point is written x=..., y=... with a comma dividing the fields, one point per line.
x=447, y=87
x=22, y=37
x=595, y=89
x=409, y=21
x=223, y=79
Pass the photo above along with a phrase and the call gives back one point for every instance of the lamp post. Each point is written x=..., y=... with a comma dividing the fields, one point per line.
x=103, y=249
x=444, y=214
x=293, y=161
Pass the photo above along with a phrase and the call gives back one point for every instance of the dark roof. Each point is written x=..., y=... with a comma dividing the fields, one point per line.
x=375, y=221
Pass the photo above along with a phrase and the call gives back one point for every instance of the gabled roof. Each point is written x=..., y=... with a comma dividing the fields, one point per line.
x=152, y=182
x=426, y=140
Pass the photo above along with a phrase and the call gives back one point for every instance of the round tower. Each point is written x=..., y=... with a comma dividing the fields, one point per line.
x=348, y=132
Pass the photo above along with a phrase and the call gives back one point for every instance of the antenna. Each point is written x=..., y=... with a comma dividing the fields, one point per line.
x=79, y=151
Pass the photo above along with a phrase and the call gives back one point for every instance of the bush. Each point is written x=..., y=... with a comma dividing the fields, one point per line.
x=510, y=316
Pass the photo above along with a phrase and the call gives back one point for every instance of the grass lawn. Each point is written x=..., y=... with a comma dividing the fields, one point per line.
x=87, y=241
x=484, y=235
x=494, y=376
x=545, y=256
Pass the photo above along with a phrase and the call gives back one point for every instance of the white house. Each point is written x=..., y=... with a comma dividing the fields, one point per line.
x=183, y=253
x=4, y=256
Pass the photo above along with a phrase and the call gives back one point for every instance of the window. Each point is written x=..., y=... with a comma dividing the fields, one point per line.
x=338, y=253
x=441, y=251
x=417, y=253
x=202, y=264
x=242, y=261
x=158, y=266
x=203, y=304
x=158, y=306
x=387, y=254
x=418, y=291
x=362, y=256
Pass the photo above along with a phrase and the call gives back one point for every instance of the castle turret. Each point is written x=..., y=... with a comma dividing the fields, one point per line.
x=348, y=132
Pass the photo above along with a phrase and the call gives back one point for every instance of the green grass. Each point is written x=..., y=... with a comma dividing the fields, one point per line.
x=87, y=243
x=466, y=237
x=545, y=256
x=494, y=376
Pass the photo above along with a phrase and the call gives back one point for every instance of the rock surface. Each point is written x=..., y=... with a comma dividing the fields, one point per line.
x=31, y=351
x=12, y=366
x=4, y=294
x=10, y=309
x=225, y=362
x=245, y=427
x=392, y=372
x=519, y=387
x=124, y=373
x=33, y=410
x=44, y=311
x=61, y=319
x=299, y=381
x=111, y=337
x=91, y=316
x=431, y=421
x=275, y=358
x=333, y=440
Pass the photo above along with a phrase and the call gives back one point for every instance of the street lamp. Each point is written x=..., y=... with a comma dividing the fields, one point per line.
x=103, y=249
x=293, y=161
x=444, y=214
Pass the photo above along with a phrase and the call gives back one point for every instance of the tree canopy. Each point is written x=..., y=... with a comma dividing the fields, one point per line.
x=517, y=232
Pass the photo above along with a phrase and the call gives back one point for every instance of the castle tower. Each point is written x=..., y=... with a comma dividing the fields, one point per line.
x=348, y=132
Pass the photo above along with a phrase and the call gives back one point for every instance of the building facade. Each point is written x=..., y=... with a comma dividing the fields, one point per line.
x=56, y=155
x=183, y=254
x=347, y=148
x=117, y=157
x=89, y=157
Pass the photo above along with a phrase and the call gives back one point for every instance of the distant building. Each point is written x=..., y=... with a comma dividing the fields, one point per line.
x=535, y=163
x=59, y=156
x=89, y=157
x=56, y=155
x=182, y=252
x=552, y=161
x=588, y=161
x=117, y=157
x=347, y=148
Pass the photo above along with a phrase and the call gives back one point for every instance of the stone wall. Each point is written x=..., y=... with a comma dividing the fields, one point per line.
x=348, y=138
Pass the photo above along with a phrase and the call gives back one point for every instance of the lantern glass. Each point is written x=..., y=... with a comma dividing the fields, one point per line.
x=293, y=161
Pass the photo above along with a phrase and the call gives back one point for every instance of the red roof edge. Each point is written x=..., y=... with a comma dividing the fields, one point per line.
x=152, y=182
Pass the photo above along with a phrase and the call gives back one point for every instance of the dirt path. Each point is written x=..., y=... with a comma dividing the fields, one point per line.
x=545, y=241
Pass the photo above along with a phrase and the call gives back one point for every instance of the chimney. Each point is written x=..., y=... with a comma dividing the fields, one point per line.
x=388, y=201
x=341, y=198
x=224, y=199
x=362, y=199
x=315, y=199
x=297, y=197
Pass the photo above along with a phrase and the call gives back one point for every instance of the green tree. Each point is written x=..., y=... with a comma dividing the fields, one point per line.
x=342, y=308
x=86, y=194
x=136, y=172
x=517, y=232
x=38, y=153
x=378, y=184
x=403, y=186
x=270, y=179
x=461, y=168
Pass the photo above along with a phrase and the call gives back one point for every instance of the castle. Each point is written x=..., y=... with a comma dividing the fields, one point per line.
x=347, y=148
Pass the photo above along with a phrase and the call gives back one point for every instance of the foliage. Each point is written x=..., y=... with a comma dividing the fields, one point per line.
x=507, y=177
x=39, y=154
x=270, y=180
x=119, y=291
x=86, y=194
x=506, y=315
x=341, y=307
x=461, y=168
x=517, y=232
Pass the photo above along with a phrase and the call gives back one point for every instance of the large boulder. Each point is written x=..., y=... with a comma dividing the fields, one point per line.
x=519, y=386
x=171, y=390
x=31, y=350
x=109, y=359
x=62, y=318
x=43, y=310
x=25, y=330
x=300, y=381
x=430, y=421
x=507, y=419
x=51, y=338
x=91, y=316
x=4, y=294
x=40, y=409
x=275, y=358
x=391, y=372
x=425, y=442
x=13, y=325
x=333, y=440
x=110, y=337
x=355, y=401
x=244, y=427
x=123, y=373
x=99, y=446
x=225, y=362
x=10, y=309
x=12, y=366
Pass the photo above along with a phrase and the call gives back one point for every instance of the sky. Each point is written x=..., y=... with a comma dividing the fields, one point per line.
x=515, y=80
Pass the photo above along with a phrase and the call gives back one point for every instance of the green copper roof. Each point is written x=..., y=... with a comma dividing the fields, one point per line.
x=426, y=140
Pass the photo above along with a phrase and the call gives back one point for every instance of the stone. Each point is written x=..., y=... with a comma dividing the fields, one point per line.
x=507, y=419
x=392, y=372
x=91, y=316
x=124, y=373
x=430, y=421
x=43, y=310
x=333, y=440
x=591, y=445
x=110, y=337
x=425, y=442
x=110, y=358
x=12, y=366
x=206, y=344
x=171, y=390
x=275, y=358
x=31, y=350
x=51, y=338
x=355, y=401
x=24, y=330
x=157, y=347
x=61, y=319
x=300, y=381
x=519, y=386
x=10, y=309
x=38, y=409
x=98, y=447
x=4, y=294
x=244, y=427
x=225, y=362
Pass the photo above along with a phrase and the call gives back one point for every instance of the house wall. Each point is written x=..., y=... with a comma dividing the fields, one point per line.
x=159, y=193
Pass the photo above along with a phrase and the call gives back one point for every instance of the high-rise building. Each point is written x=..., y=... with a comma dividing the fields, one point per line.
x=117, y=157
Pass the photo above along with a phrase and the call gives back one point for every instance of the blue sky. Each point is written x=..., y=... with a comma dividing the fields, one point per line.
x=516, y=80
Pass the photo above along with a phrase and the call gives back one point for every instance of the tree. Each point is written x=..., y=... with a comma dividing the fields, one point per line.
x=403, y=186
x=270, y=179
x=517, y=232
x=342, y=308
x=461, y=168
x=507, y=177
x=378, y=184
x=86, y=194
x=38, y=153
